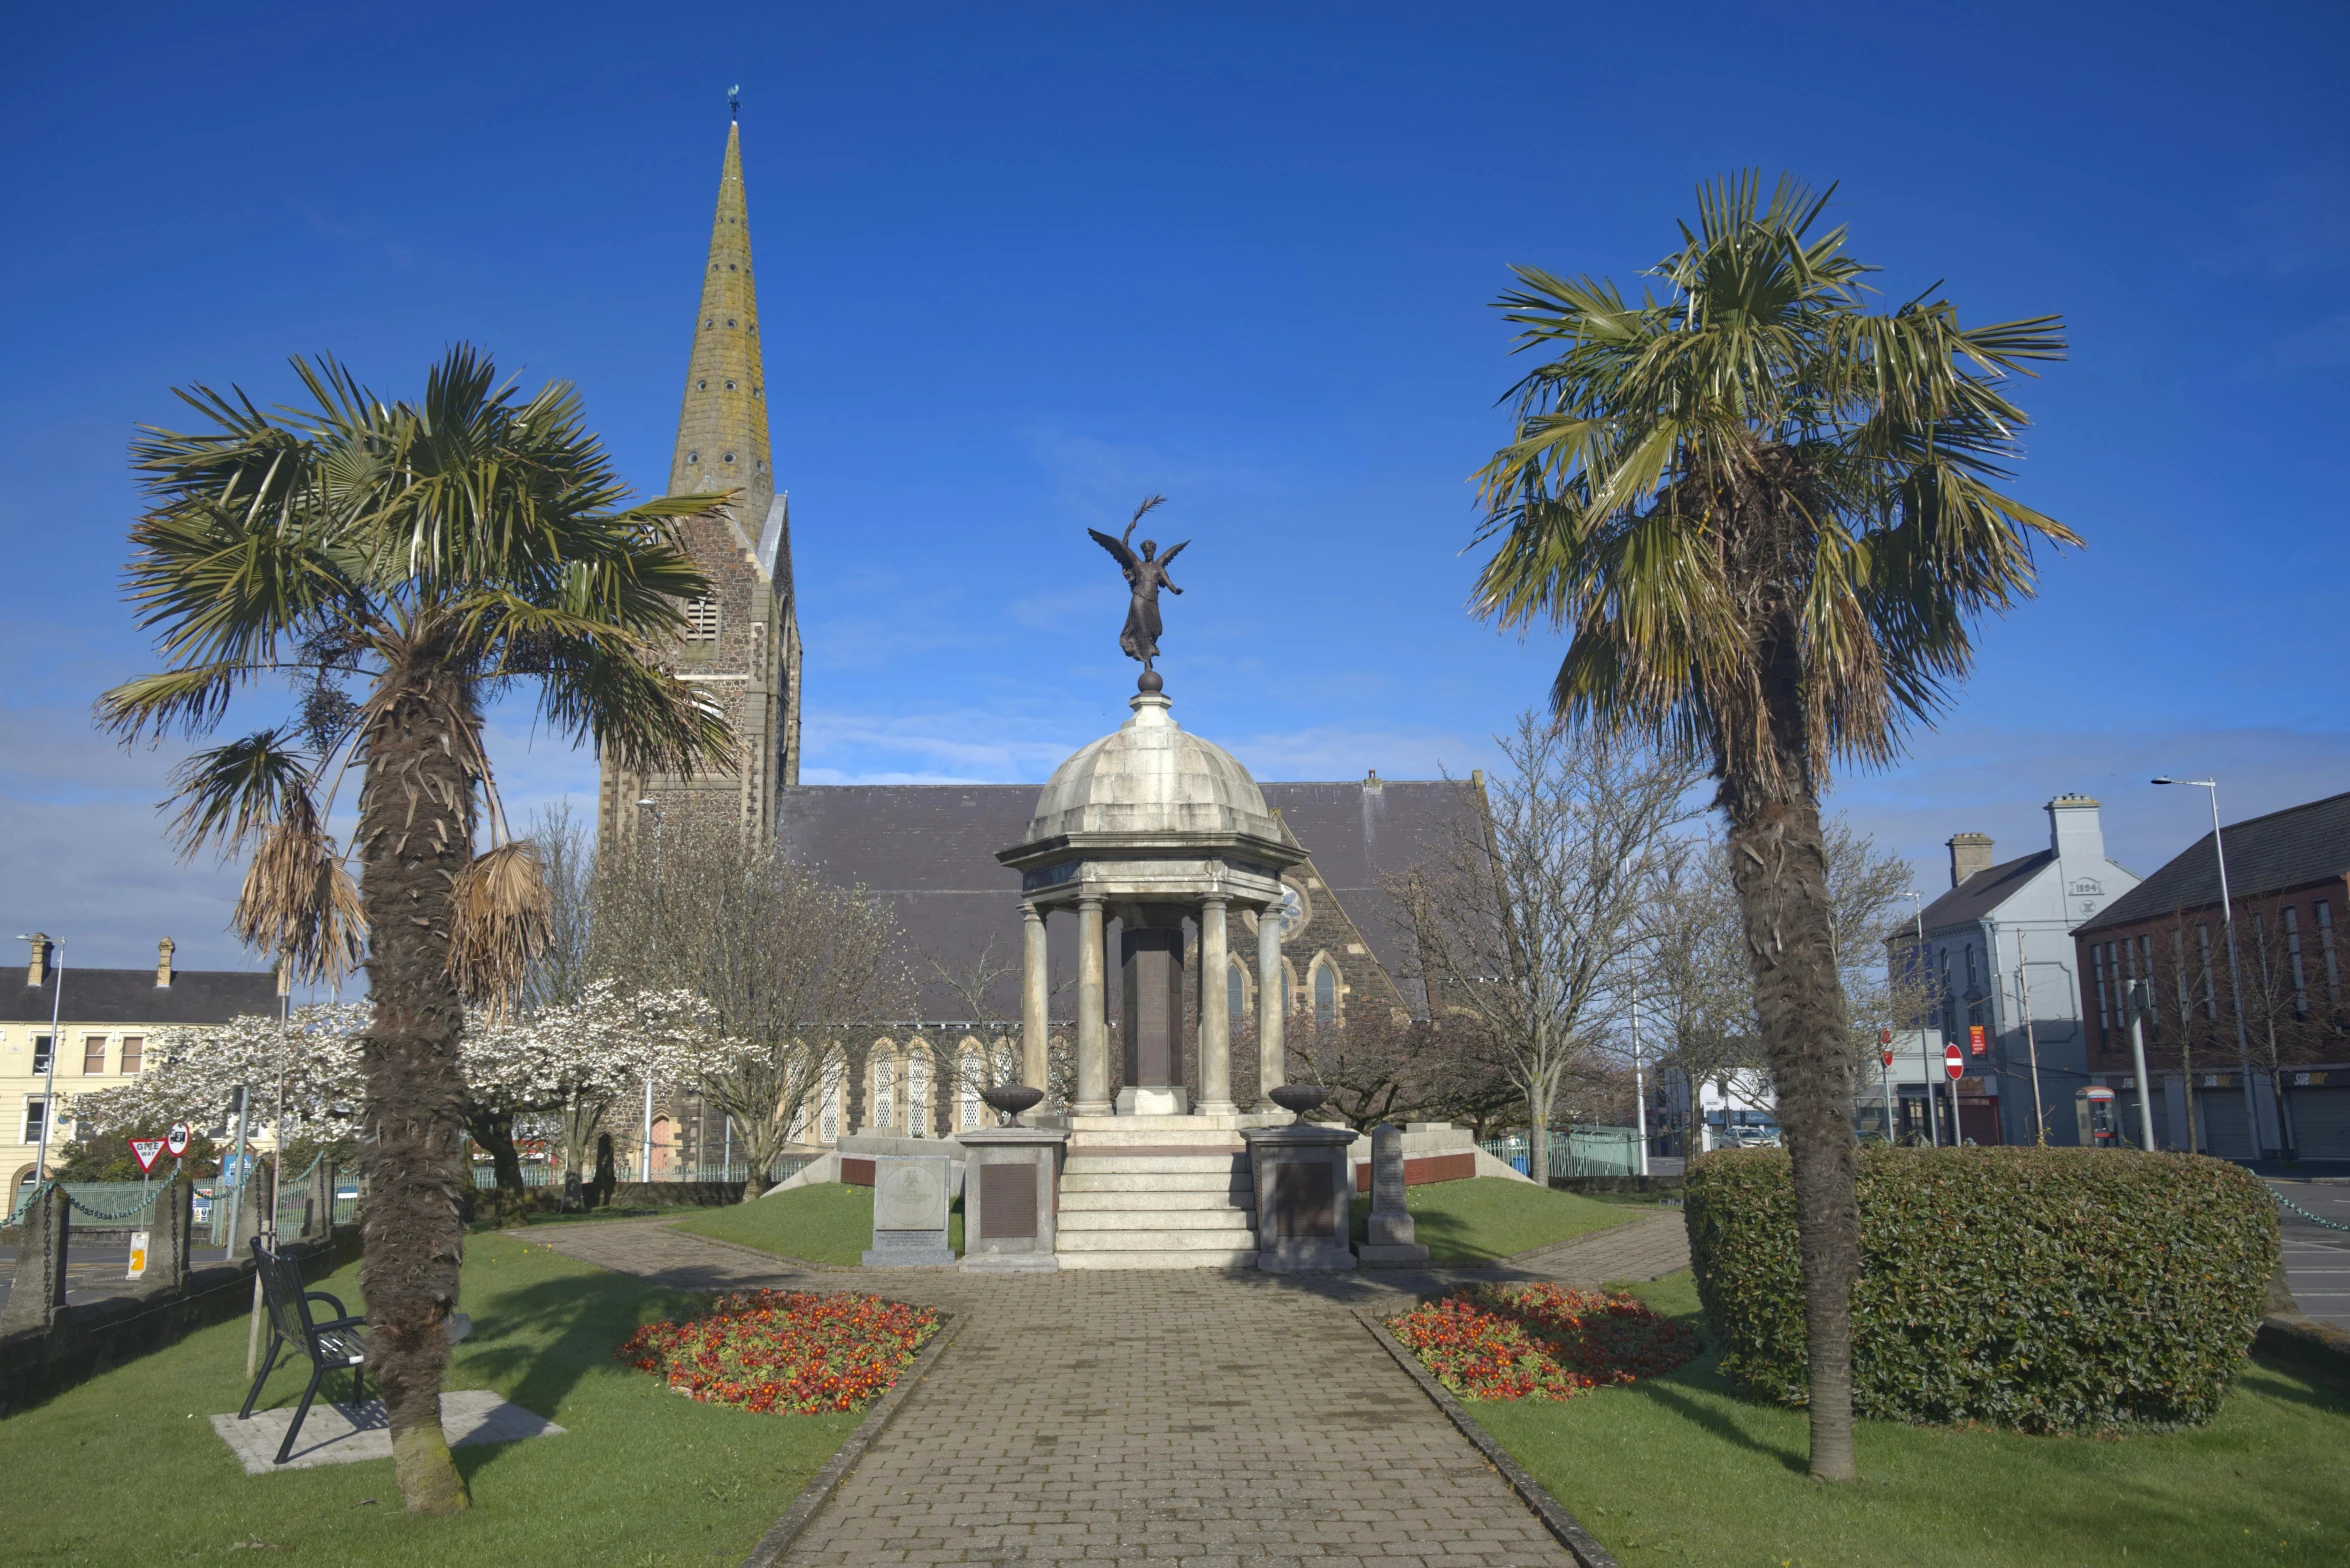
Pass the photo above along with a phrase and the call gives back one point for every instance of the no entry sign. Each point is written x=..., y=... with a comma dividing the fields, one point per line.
x=1953, y=1061
x=175, y=1142
x=146, y=1151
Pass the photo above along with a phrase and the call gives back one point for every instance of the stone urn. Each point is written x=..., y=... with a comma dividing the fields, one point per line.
x=1010, y=1099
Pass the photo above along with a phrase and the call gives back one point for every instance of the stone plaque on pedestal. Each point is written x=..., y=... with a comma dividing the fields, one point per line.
x=1011, y=1196
x=910, y=1195
x=1303, y=1192
x=1393, y=1240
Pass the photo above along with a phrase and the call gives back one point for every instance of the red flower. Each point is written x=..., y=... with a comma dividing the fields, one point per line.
x=784, y=1350
x=1540, y=1341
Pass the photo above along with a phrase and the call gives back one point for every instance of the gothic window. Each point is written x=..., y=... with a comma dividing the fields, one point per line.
x=974, y=1070
x=701, y=620
x=884, y=1091
x=831, y=1103
x=1236, y=991
x=917, y=1097
x=1325, y=993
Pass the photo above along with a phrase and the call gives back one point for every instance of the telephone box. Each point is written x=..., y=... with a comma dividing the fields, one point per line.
x=2094, y=1108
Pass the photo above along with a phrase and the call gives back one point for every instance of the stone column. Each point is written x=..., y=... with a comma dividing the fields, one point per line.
x=1215, y=1014
x=1035, y=1000
x=1093, y=1036
x=37, y=1292
x=1272, y=1057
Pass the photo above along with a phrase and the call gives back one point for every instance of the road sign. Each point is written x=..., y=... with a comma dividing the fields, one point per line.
x=1977, y=1039
x=145, y=1151
x=176, y=1141
x=139, y=1253
x=1954, y=1061
x=1884, y=1037
x=1884, y=1058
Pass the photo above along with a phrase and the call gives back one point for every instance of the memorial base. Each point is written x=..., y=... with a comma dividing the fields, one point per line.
x=1302, y=1194
x=1391, y=1257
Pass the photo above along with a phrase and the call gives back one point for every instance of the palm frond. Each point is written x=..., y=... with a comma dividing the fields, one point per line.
x=500, y=917
x=298, y=901
x=234, y=793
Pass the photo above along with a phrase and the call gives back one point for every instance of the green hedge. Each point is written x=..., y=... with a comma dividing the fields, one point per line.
x=2055, y=1290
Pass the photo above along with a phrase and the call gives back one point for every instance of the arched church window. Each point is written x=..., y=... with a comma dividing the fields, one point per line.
x=1325, y=994
x=831, y=1104
x=1236, y=991
x=974, y=1074
x=917, y=1097
x=884, y=1091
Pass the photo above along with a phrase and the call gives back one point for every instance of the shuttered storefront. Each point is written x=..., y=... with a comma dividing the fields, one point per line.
x=2224, y=1126
x=2321, y=1119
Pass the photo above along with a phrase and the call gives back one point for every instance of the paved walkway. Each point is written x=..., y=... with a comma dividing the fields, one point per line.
x=1207, y=1417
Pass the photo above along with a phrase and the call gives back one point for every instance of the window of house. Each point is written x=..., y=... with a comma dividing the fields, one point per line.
x=2210, y=990
x=2325, y=948
x=36, y=1113
x=2293, y=961
x=2104, y=1010
x=1325, y=994
x=41, y=1047
x=701, y=620
x=1970, y=966
x=134, y=1052
x=884, y=1091
x=93, y=1053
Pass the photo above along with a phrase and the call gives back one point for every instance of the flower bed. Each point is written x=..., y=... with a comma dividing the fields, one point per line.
x=785, y=1350
x=1540, y=1341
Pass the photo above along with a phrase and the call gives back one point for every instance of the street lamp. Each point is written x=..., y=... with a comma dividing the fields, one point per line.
x=1933, y=1128
x=644, y=1158
x=2227, y=912
x=49, y=1085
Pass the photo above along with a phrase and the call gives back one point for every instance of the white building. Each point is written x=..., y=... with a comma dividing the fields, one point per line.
x=1997, y=947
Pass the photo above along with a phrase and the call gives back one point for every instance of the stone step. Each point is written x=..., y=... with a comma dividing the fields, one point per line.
x=1153, y=1164
x=1156, y=1200
x=1240, y=1258
x=1126, y=1238
x=1156, y=1221
x=1234, y=1182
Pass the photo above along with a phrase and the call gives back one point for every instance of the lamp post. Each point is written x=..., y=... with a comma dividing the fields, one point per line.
x=644, y=1159
x=2227, y=911
x=49, y=1084
x=2138, y=1061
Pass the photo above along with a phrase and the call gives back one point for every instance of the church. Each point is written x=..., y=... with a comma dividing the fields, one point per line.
x=1316, y=936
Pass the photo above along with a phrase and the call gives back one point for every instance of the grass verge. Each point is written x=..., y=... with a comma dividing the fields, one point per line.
x=824, y=1223
x=1485, y=1218
x=642, y=1478
x=1679, y=1470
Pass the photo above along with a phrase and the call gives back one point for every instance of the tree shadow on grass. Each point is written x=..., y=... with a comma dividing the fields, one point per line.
x=1674, y=1390
x=535, y=1344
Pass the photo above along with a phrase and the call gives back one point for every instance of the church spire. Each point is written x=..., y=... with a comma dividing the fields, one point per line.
x=722, y=430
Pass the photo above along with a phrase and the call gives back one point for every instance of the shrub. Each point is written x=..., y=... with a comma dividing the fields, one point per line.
x=785, y=1350
x=2053, y=1290
x=1540, y=1341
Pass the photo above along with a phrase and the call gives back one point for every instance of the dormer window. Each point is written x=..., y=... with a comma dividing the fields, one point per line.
x=701, y=620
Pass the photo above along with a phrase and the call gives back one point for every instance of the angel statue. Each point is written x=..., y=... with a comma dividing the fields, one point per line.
x=1146, y=575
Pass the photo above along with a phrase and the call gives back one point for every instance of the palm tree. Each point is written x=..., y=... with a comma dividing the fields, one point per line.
x=427, y=555
x=1767, y=518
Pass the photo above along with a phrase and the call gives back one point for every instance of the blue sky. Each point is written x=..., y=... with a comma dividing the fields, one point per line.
x=1020, y=265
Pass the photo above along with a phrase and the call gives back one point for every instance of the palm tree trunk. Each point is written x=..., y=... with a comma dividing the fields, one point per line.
x=1780, y=870
x=414, y=837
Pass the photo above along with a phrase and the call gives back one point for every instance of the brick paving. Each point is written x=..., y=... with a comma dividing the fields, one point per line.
x=1200, y=1417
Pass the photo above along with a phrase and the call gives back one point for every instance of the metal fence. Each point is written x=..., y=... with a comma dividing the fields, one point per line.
x=1574, y=1151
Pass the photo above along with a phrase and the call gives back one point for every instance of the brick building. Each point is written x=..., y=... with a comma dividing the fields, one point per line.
x=2161, y=951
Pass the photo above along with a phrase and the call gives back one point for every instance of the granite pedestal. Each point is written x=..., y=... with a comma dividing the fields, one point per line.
x=1011, y=1188
x=910, y=1196
x=1302, y=1194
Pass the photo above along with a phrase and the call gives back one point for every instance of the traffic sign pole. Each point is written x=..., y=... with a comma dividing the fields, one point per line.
x=1954, y=1068
x=1885, y=1065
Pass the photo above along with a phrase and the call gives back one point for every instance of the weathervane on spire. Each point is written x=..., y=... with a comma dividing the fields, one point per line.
x=734, y=100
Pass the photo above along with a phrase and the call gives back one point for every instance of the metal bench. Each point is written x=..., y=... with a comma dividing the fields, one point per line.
x=335, y=1343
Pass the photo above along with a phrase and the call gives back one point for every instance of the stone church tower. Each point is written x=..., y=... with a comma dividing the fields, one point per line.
x=742, y=644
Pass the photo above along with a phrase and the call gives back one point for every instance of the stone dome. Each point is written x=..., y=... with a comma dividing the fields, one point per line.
x=1149, y=777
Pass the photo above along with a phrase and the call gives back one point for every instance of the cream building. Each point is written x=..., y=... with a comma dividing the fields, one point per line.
x=108, y=1020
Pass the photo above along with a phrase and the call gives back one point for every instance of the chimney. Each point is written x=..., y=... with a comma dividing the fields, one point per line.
x=37, y=972
x=1969, y=853
x=163, y=952
x=2074, y=832
x=1371, y=780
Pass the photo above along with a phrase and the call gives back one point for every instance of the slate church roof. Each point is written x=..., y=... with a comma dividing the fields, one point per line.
x=930, y=850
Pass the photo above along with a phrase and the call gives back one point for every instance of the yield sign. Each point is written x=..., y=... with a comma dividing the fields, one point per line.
x=144, y=1150
x=1954, y=1061
x=175, y=1142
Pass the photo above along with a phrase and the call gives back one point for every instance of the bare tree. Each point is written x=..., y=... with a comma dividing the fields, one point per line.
x=1526, y=914
x=1696, y=986
x=787, y=961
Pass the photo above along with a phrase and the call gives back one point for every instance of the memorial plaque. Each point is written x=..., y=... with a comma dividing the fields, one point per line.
x=1302, y=1200
x=911, y=1196
x=1386, y=1170
x=1007, y=1201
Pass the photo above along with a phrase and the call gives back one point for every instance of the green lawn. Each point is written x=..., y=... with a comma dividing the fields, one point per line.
x=1488, y=1217
x=1681, y=1471
x=824, y=1223
x=125, y=1468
